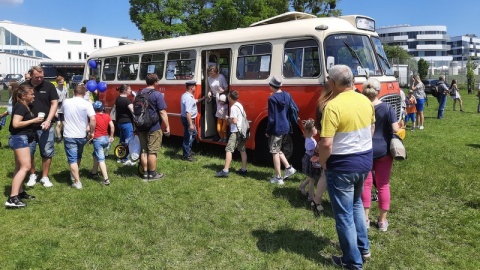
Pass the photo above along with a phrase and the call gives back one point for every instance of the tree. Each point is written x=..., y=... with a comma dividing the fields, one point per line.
x=422, y=68
x=471, y=66
x=396, y=52
x=157, y=19
x=83, y=30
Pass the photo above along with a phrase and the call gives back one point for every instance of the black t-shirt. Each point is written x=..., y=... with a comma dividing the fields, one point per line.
x=124, y=115
x=44, y=94
x=20, y=109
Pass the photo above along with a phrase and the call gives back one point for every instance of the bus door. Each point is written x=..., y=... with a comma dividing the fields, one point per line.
x=220, y=58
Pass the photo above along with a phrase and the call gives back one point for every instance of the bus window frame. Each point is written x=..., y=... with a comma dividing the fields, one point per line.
x=114, y=78
x=175, y=76
x=319, y=52
x=260, y=74
x=159, y=73
x=121, y=66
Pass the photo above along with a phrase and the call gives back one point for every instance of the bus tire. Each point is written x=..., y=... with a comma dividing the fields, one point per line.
x=262, y=154
x=293, y=147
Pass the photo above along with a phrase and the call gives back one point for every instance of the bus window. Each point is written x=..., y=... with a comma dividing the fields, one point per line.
x=253, y=62
x=96, y=72
x=354, y=51
x=109, y=69
x=301, y=59
x=383, y=57
x=152, y=63
x=128, y=68
x=181, y=65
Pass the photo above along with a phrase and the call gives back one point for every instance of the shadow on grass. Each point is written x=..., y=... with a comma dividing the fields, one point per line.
x=473, y=145
x=297, y=200
x=255, y=175
x=474, y=203
x=63, y=177
x=304, y=243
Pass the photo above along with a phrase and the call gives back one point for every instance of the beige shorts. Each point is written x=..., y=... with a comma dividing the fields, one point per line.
x=234, y=142
x=275, y=144
x=150, y=142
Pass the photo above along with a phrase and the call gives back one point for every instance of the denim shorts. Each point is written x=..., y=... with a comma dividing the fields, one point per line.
x=74, y=148
x=45, y=140
x=98, y=145
x=420, y=104
x=18, y=141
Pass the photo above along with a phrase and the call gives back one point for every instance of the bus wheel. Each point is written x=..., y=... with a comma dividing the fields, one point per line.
x=121, y=151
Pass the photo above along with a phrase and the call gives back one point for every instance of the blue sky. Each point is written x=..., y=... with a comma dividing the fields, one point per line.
x=111, y=18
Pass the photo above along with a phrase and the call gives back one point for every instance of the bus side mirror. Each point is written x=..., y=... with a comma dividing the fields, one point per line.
x=330, y=62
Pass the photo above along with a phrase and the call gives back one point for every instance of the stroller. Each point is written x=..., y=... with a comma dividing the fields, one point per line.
x=132, y=147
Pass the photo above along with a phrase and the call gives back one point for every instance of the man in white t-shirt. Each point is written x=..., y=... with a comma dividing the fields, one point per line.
x=237, y=114
x=77, y=112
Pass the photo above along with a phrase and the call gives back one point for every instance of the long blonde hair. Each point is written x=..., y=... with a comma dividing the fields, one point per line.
x=325, y=96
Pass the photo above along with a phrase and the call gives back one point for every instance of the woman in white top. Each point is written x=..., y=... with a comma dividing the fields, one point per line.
x=62, y=91
x=217, y=85
x=455, y=95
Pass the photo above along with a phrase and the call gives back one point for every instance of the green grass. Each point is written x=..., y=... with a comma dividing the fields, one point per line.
x=192, y=220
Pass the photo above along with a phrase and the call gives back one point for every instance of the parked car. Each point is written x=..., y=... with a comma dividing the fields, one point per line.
x=11, y=78
x=429, y=85
x=75, y=80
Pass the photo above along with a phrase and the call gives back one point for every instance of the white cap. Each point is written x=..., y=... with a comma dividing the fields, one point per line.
x=222, y=98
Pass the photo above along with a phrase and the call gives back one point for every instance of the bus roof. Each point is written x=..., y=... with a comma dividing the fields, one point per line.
x=294, y=28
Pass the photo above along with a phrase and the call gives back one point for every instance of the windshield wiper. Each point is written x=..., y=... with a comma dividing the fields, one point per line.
x=384, y=60
x=355, y=55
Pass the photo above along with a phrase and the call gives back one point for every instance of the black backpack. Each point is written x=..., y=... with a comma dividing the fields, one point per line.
x=141, y=114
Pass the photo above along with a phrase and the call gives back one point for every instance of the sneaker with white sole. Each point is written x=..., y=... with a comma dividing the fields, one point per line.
x=46, y=182
x=383, y=226
x=277, y=180
x=421, y=127
x=77, y=185
x=129, y=163
x=32, y=180
x=14, y=202
x=289, y=172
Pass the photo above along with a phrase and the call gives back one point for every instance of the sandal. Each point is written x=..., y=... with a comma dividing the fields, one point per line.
x=317, y=208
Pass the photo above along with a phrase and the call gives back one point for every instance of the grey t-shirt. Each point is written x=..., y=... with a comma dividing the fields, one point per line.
x=419, y=91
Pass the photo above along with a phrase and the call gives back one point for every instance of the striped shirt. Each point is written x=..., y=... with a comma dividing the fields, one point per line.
x=348, y=119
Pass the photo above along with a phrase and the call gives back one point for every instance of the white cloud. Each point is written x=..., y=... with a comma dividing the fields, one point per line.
x=10, y=2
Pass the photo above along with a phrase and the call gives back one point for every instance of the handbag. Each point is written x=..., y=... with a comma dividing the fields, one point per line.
x=113, y=113
x=397, y=149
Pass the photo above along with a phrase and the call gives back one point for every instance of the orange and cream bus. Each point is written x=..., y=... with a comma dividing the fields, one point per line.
x=297, y=46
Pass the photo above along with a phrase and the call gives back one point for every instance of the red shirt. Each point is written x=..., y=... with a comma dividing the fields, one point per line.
x=101, y=127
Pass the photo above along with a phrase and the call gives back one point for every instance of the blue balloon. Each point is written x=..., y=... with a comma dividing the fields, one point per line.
x=102, y=86
x=92, y=63
x=91, y=85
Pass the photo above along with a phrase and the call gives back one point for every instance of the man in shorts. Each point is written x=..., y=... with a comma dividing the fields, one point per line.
x=46, y=102
x=151, y=140
x=237, y=114
x=278, y=127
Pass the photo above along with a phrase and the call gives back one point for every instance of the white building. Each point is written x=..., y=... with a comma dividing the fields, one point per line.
x=22, y=45
x=429, y=42
x=463, y=48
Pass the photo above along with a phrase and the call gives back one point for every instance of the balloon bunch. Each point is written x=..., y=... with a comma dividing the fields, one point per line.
x=93, y=85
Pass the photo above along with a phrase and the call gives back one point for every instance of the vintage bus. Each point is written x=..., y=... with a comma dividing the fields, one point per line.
x=297, y=46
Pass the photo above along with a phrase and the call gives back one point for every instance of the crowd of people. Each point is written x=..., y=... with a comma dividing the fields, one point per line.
x=351, y=156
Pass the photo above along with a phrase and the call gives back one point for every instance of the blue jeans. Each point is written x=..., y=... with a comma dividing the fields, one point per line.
x=45, y=140
x=345, y=190
x=74, y=148
x=126, y=132
x=442, y=103
x=188, y=137
x=98, y=148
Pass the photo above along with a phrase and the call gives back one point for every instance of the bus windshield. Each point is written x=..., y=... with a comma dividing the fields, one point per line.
x=354, y=51
x=383, y=57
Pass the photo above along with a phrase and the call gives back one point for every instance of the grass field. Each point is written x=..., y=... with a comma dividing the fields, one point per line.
x=192, y=220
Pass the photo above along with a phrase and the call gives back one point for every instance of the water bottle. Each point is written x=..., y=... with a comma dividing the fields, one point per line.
x=107, y=149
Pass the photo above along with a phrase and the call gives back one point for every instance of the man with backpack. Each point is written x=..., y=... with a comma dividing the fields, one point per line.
x=442, y=94
x=278, y=126
x=149, y=111
x=189, y=111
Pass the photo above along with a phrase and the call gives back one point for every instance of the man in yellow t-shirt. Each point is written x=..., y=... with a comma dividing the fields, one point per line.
x=346, y=155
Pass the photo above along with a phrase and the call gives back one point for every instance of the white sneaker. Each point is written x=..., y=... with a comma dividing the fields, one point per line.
x=421, y=127
x=32, y=180
x=77, y=185
x=289, y=172
x=46, y=182
x=129, y=163
x=277, y=180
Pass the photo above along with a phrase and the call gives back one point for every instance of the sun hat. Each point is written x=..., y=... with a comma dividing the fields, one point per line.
x=222, y=98
x=275, y=81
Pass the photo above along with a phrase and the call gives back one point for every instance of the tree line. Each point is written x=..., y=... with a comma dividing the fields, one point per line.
x=158, y=19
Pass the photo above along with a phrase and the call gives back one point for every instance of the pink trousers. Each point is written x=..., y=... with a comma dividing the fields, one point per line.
x=381, y=168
